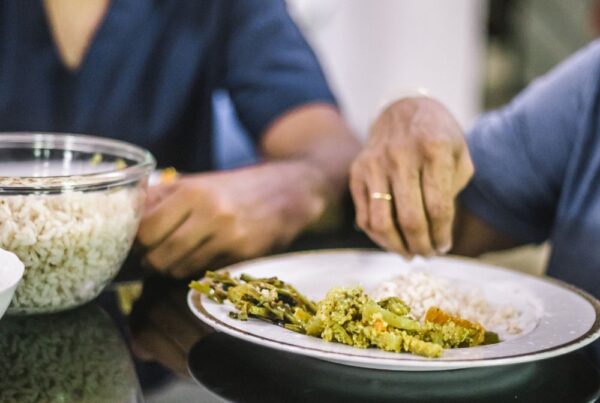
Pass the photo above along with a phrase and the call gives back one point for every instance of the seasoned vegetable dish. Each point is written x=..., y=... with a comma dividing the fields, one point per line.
x=346, y=315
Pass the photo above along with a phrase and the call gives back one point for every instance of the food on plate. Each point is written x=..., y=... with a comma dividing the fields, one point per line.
x=421, y=291
x=72, y=243
x=345, y=315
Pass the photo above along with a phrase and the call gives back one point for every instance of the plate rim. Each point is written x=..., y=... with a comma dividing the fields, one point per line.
x=194, y=301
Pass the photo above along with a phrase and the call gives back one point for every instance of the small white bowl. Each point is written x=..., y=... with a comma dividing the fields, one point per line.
x=11, y=272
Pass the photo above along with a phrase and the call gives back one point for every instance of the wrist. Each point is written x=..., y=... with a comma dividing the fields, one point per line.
x=309, y=192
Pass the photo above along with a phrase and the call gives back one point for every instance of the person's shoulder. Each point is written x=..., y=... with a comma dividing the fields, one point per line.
x=586, y=58
x=590, y=50
x=581, y=65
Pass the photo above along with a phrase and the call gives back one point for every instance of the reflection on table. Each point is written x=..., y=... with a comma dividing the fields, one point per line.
x=245, y=372
x=76, y=356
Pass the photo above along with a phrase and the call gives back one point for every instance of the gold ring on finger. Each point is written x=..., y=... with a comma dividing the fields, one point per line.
x=381, y=196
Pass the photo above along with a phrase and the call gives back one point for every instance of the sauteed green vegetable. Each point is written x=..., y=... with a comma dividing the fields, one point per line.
x=346, y=315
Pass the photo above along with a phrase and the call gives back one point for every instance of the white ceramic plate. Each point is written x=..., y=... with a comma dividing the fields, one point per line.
x=556, y=318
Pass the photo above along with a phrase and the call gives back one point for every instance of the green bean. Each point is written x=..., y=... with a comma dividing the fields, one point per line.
x=294, y=328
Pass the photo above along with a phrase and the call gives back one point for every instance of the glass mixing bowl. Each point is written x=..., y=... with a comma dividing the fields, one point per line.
x=70, y=207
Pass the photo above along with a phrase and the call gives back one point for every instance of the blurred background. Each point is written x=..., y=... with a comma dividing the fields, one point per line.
x=471, y=54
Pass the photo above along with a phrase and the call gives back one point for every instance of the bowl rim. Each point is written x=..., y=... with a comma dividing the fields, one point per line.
x=15, y=265
x=145, y=161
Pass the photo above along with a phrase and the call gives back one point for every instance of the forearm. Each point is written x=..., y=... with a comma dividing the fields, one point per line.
x=309, y=191
x=317, y=147
x=473, y=236
x=297, y=192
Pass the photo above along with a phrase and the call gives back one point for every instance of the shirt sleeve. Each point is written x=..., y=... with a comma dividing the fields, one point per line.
x=521, y=152
x=269, y=67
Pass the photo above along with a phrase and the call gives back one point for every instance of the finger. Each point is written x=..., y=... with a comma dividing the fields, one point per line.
x=410, y=211
x=464, y=172
x=199, y=259
x=381, y=227
x=164, y=218
x=154, y=195
x=437, y=179
x=157, y=193
x=360, y=196
x=181, y=242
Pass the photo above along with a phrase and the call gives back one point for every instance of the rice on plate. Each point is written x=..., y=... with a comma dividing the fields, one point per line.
x=421, y=290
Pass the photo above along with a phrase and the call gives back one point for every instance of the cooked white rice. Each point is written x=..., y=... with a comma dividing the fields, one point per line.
x=72, y=244
x=421, y=291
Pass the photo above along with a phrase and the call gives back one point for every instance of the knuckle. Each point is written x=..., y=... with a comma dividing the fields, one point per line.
x=433, y=147
x=239, y=235
x=145, y=238
x=395, y=155
x=356, y=185
x=371, y=167
x=357, y=169
x=411, y=225
x=440, y=210
x=175, y=241
x=155, y=260
x=364, y=162
x=224, y=212
x=381, y=224
x=185, y=244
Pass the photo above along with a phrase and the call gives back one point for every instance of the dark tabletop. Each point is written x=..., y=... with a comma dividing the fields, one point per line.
x=159, y=352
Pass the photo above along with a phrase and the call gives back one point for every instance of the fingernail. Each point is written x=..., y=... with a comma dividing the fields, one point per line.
x=445, y=248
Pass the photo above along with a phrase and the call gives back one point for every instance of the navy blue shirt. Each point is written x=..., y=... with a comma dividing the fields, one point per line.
x=537, y=168
x=150, y=72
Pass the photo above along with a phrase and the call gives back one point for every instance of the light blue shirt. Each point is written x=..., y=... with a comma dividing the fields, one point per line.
x=537, y=164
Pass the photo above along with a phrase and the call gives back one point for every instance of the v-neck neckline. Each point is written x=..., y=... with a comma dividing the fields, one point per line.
x=89, y=51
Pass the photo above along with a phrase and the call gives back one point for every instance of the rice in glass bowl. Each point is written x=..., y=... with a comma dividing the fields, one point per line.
x=70, y=207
